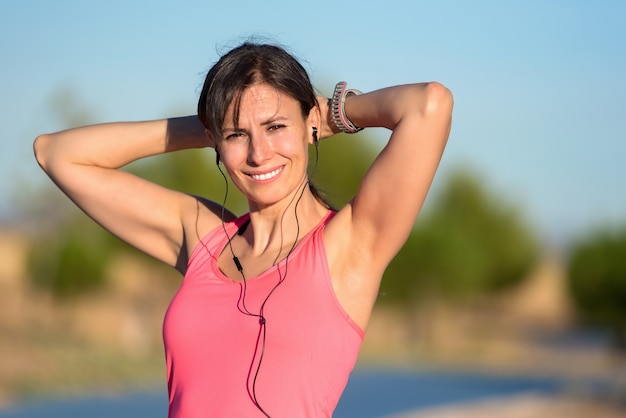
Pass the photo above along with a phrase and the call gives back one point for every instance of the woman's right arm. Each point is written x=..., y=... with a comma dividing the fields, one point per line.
x=84, y=163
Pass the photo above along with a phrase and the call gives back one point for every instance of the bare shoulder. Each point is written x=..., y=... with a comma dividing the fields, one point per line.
x=199, y=217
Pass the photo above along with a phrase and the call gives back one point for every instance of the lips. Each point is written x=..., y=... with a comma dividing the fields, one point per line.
x=266, y=176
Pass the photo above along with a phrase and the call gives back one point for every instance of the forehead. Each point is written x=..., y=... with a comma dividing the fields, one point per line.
x=261, y=102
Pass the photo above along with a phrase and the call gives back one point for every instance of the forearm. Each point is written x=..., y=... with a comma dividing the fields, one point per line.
x=185, y=133
x=113, y=145
x=389, y=106
x=419, y=117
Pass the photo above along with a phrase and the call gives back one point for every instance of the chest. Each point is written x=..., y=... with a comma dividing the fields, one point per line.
x=238, y=261
x=214, y=314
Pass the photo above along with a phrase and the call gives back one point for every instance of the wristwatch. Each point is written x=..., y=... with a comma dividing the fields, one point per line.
x=337, y=111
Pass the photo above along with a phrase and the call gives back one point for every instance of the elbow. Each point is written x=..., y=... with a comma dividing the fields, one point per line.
x=41, y=150
x=438, y=100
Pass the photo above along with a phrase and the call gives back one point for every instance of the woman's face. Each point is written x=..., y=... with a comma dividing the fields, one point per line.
x=266, y=155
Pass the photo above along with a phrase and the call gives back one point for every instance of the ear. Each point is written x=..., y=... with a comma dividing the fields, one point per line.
x=313, y=121
x=213, y=144
x=210, y=139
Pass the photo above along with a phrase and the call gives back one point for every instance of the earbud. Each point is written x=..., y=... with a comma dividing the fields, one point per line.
x=315, y=139
x=217, y=157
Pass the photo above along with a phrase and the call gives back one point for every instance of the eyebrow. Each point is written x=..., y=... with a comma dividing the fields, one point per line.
x=269, y=121
x=274, y=119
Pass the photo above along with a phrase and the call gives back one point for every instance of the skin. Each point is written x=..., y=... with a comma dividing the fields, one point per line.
x=271, y=137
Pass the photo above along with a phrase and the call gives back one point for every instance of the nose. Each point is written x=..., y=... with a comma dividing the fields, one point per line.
x=259, y=150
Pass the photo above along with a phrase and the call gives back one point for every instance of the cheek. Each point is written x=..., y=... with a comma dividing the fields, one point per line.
x=232, y=154
x=295, y=147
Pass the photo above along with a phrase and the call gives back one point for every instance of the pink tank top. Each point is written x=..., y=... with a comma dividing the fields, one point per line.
x=212, y=353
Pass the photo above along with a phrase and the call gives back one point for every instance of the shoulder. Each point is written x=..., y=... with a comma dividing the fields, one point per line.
x=200, y=216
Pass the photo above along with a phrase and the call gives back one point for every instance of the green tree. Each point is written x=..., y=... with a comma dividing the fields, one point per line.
x=342, y=163
x=597, y=280
x=469, y=242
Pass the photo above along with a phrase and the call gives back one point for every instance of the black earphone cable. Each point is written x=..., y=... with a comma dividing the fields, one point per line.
x=241, y=302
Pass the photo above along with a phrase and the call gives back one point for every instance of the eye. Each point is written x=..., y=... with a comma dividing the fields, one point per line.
x=234, y=136
x=275, y=127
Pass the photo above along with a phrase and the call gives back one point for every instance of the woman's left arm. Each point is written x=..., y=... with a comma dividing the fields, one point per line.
x=369, y=231
x=381, y=215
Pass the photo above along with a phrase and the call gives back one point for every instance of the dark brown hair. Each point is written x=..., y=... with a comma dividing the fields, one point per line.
x=243, y=66
x=248, y=64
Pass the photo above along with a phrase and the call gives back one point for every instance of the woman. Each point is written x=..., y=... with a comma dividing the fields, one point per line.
x=270, y=315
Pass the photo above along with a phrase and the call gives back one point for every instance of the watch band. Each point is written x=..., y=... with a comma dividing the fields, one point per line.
x=338, y=113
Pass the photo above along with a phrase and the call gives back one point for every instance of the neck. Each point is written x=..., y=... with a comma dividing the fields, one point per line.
x=282, y=225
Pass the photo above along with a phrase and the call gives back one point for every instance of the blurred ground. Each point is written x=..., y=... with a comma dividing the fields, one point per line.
x=525, y=331
x=526, y=406
x=112, y=340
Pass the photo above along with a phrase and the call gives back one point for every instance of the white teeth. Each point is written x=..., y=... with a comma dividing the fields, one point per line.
x=266, y=176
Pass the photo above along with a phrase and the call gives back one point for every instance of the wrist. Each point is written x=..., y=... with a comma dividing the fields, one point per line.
x=185, y=132
x=337, y=108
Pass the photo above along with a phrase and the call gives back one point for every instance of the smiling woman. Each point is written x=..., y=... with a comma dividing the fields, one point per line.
x=265, y=149
x=270, y=315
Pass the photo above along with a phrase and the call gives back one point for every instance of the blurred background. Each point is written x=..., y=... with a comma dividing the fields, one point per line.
x=516, y=267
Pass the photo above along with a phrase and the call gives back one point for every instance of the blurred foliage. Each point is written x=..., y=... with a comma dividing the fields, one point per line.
x=70, y=259
x=66, y=104
x=469, y=242
x=597, y=280
x=342, y=163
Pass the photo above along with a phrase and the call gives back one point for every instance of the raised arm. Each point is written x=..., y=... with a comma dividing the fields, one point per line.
x=380, y=217
x=395, y=187
x=84, y=163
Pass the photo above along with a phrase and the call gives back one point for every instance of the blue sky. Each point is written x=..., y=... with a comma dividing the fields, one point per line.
x=540, y=94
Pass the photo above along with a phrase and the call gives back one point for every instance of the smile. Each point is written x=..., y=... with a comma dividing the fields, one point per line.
x=266, y=176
